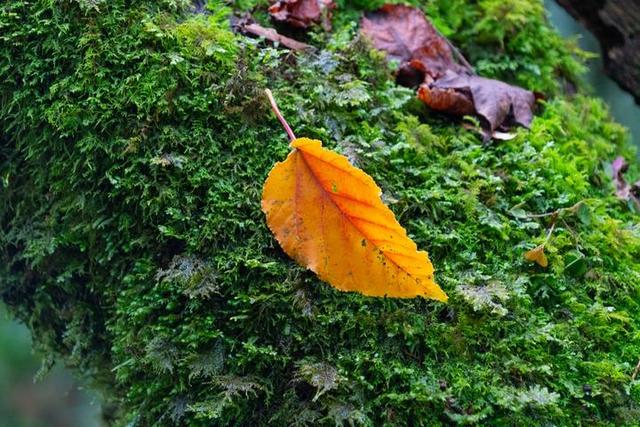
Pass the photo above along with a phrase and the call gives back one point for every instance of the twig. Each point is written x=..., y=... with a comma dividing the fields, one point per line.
x=553, y=226
x=274, y=36
x=459, y=56
x=573, y=208
x=573, y=233
x=278, y=114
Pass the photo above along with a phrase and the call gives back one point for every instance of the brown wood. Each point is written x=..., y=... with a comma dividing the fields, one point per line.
x=616, y=25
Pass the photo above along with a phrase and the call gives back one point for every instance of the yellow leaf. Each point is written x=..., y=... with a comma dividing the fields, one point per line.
x=328, y=216
x=537, y=255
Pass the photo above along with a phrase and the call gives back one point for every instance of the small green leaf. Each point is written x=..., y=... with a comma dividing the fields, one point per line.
x=575, y=264
x=584, y=214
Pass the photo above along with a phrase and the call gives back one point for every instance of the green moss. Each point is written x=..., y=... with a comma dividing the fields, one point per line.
x=134, y=144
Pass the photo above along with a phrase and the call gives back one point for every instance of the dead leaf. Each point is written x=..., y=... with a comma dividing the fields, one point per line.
x=624, y=190
x=496, y=102
x=328, y=216
x=303, y=13
x=537, y=255
x=404, y=34
x=410, y=74
x=246, y=25
x=447, y=100
x=447, y=83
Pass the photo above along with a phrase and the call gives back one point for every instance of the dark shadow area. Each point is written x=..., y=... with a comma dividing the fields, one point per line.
x=56, y=400
x=621, y=104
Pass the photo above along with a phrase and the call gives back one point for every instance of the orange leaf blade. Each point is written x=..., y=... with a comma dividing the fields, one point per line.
x=537, y=255
x=328, y=216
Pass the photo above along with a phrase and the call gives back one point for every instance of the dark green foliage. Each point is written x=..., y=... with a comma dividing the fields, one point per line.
x=134, y=144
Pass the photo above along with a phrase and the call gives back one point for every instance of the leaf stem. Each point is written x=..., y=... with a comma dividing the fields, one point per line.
x=553, y=226
x=278, y=114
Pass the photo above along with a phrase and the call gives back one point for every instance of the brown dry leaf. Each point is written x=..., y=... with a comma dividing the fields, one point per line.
x=447, y=82
x=328, y=216
x=246, y=25
x=404, y=34
x=537, y=255
x=446, y=99
x=303, y=13
x=495, y=101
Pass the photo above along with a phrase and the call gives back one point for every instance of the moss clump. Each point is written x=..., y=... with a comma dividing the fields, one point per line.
x=133, y=149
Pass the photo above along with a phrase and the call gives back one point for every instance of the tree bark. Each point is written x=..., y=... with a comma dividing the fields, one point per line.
x=616, y=25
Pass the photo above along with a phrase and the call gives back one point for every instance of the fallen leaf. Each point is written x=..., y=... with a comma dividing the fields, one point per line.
x=575, y=263
x=537, y=255
x=328, y=216
x=624, y=190
x=446, y=81
x=404, y=34
x=246, y=25
x=496, y=102
x=303, y=13
x=410, y=74
x=446, y=100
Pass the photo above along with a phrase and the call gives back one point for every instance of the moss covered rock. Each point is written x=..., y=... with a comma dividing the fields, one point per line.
x=134, y=143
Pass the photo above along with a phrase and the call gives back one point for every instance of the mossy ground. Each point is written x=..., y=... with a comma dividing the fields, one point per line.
x=134, y=144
